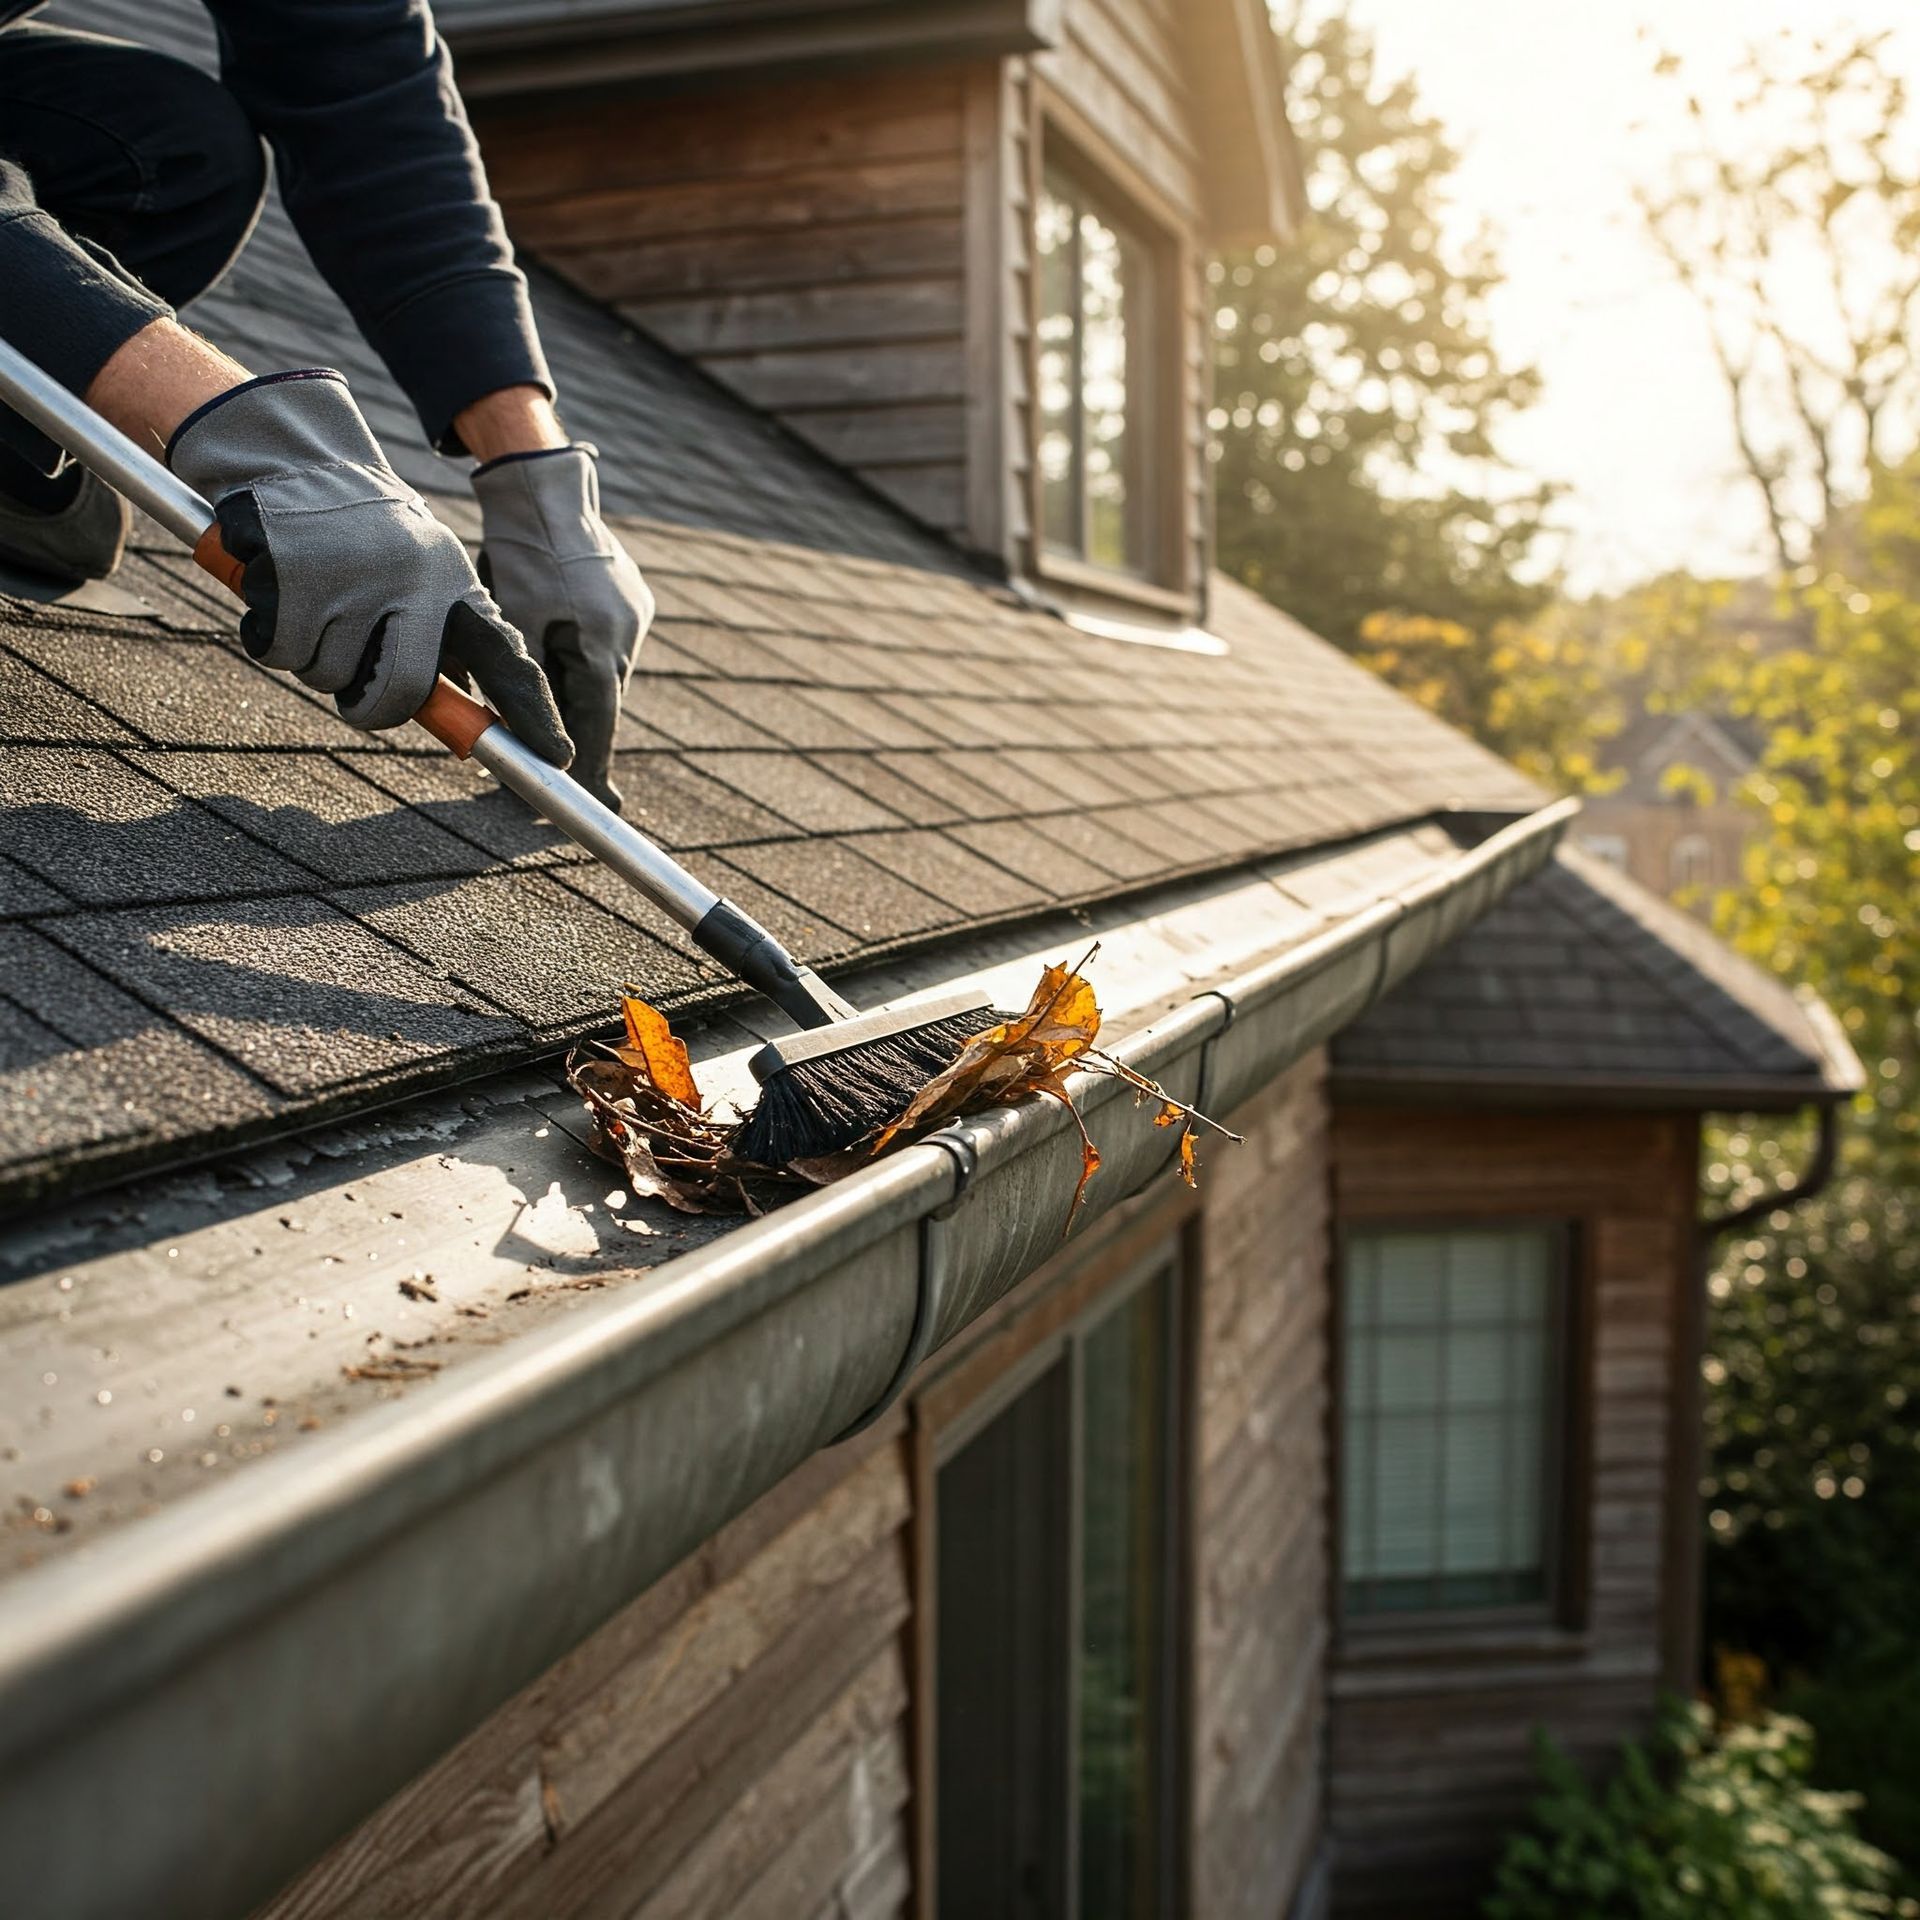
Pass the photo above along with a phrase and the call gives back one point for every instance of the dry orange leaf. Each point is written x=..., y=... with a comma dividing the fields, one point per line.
x=1189, y=1168
x=1028, y=1054
x=654, y=1052
x=1031, y=1053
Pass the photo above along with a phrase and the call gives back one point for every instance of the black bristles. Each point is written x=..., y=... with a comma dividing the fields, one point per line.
x=820, y=1106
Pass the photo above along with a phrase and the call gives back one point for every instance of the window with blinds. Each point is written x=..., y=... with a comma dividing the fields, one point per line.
x=1450, y=1417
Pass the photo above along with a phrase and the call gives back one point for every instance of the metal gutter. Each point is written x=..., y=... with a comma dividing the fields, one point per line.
x=194, y=1707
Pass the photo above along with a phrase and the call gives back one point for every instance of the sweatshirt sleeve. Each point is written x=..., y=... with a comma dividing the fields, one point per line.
x=383, y=179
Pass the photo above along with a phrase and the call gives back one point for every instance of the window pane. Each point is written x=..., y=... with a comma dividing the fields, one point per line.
x=1105, y=276
x=1405, y=1372
x=1059, y=359
x=1002, y=1668
x=1479, y=1275
x=1124, y=1558
x=1407, y=1297
x=1092, y=276
x=1445, y=1407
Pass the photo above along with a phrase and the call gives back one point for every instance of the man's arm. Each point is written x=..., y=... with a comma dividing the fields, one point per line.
x=351, y=583
x=514, y=420
x=379, y=170
x=380, y=173
x=155, y=379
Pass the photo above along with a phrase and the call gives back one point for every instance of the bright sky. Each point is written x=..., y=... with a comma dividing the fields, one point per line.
x=1544, y=96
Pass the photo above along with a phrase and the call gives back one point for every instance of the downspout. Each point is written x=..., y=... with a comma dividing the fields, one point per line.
x=1794, y=1193
x=1687, y=1438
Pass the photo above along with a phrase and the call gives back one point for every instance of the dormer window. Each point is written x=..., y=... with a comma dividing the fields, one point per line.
x=1093, y=366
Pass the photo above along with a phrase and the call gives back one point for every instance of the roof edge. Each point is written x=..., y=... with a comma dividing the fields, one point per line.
x=133, y=1674
x=1256, y=171
x=508, y=51
x=1495, y=1087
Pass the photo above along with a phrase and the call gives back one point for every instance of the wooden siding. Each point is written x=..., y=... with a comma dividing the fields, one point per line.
x=1260, y=1507
x=1431, y=1750
x=731, y=1744
x=803, y=241
x=1121, y=69
x=738, y=1741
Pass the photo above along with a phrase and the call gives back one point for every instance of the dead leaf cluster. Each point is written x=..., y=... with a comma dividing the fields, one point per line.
x=648, y=1116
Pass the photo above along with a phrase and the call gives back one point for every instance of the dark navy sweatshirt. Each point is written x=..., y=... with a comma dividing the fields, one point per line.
x=379, y=170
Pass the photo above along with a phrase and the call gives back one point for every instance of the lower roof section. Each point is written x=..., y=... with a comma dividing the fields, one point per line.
x=316, y=1460
x=1583, y=983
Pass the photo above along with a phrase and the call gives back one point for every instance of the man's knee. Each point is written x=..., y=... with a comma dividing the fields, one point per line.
x=208, y=176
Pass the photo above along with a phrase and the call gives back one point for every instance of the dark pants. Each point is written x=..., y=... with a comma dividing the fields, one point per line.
x=128, y=182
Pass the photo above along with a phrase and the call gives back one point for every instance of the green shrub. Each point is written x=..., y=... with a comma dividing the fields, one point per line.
x=1696, y=1825
x=1864, y=1708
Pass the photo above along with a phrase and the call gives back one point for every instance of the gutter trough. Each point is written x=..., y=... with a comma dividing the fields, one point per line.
x=193, y=1708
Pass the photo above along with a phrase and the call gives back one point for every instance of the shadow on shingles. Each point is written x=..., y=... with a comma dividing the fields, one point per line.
x=182, y=912
x=201, y=990
x=233, y=848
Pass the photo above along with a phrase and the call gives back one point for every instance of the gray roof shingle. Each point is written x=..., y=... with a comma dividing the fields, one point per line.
x=839, y=714
x=1582, y=979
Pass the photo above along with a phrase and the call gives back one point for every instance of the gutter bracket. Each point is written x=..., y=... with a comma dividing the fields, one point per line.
x=1203, y=1079
x=957, y=1144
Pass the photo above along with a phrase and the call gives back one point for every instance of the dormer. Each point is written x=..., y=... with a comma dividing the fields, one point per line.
x=957, y=244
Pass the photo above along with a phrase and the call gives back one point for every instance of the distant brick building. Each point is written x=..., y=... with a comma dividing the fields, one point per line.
x=1659, y=829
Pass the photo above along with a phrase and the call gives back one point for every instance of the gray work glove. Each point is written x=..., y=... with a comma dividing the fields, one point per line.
x=564, y=580
x=350, y=582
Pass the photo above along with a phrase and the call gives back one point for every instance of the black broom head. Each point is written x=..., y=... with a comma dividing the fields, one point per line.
x=823, y=1090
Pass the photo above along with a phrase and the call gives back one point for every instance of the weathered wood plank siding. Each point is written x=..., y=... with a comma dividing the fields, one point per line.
x=853, y=251
x=732, y=1744
x=802, y=240
x=1431, y=1756
x=1260, y=1507
x=1121, y=68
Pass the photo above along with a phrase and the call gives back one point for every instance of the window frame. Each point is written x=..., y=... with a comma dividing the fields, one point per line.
x=1694, y=851
x=1556, y=1623
x=1045, y=1321
x=1160, y=385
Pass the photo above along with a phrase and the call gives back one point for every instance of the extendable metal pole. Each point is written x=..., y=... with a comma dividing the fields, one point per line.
x=101, y=447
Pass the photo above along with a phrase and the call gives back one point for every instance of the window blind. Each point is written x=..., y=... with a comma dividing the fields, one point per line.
x=1450, y=1341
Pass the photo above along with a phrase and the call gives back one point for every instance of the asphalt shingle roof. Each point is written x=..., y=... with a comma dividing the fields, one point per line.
x=1580, y=977
x=838, y=716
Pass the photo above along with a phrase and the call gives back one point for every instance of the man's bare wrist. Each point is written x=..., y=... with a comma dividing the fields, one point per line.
x=512, y=420
x=154, y=380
